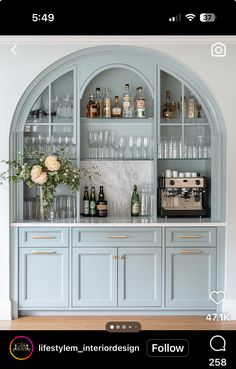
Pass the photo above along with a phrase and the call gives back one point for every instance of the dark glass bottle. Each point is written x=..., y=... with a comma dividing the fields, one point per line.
x=101, y=204
x=85, y=210
x=135, y=203
x=92, y=203
x=91, y=107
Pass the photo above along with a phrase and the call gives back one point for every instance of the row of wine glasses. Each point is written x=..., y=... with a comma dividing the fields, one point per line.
x=49, y=145
x=108, y=145
x=176, y=148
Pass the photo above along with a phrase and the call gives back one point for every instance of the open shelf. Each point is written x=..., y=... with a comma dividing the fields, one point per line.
x=102, y=121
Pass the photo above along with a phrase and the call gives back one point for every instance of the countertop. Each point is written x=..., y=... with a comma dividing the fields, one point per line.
x=122, y=222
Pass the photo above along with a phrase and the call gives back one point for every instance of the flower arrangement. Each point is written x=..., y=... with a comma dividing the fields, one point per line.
x=46, y=172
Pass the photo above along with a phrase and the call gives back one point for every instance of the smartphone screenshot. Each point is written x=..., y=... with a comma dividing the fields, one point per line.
x=117, y=172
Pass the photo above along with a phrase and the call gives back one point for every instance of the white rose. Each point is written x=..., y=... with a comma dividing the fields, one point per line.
x=41, y=179
x=36, y=172
x=52, y=163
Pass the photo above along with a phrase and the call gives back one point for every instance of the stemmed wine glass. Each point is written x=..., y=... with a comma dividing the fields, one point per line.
x=131, y=143
x=138, y=146
x=121, y=145
x=146, y=142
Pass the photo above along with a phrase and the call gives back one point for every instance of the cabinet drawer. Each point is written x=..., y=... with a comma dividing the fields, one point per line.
x=192, y=236
x=43, y=237
x=116, y=236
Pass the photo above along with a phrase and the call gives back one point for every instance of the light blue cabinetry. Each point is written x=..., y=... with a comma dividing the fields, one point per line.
x=43, y=277
x=139, y=276
x=190, y=267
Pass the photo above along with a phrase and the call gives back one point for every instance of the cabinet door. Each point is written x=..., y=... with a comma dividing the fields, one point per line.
x=190, y=277
x=139, y=271
x=95, y=277
x=43, y=277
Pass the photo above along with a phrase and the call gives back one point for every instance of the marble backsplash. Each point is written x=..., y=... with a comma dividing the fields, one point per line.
x=118, y=178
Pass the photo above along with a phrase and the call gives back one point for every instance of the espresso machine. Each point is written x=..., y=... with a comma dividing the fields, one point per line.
x=182, y=196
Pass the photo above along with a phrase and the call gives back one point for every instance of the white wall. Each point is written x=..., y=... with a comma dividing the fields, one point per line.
x=35, y=54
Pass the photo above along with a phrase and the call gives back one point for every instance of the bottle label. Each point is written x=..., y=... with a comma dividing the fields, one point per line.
x=101, y=207
x=116, y=111
x=126, y=104
x=140, y=103
x=93, y=110
x=135, y=208
x=86, y=207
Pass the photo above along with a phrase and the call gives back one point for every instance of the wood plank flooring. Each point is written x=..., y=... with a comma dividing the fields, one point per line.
x=98, y=323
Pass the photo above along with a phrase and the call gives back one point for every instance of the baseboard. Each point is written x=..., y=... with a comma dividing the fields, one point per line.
x=5, y=310
x=229, y=306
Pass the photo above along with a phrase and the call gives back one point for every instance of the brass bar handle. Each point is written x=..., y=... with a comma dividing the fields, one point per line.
x=189, y=252
x=36, y=252
x=193, y=236
x=121, y=257
x=114, y=257
x=121, y=236
x=43, y=237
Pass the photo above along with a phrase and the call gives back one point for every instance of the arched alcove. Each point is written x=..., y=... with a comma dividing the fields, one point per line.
x=75, y=74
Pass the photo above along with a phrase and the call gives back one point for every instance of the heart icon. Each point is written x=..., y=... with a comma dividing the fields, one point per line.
x=217, y=296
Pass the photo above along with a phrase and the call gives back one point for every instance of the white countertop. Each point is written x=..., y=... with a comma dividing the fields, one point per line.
x=122, y=222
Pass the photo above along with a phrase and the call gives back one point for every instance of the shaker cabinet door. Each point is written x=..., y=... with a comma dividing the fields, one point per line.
x=139, y=271
x=94, y=277
x=43, y=277
x=190, y=277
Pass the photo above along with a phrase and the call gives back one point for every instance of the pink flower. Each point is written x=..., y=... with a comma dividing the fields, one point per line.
x=36, y=172
x=52, y=163
x=41, y=179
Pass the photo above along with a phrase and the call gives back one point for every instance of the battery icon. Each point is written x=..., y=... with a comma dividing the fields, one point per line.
x=207, y=17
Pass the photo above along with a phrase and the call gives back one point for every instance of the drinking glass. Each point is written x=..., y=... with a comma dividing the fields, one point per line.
x=107, y=143
x=121, y=145
x=138, y=147
x=146, y=142
x=131, y=142
x=70, y=206
x=100, y=143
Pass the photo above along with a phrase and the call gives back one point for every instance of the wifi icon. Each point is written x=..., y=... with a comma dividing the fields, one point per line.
x=190, y=16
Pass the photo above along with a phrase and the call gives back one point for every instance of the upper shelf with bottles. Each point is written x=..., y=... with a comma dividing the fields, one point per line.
x=56, y=104
x=178, y=103
x=117, y=95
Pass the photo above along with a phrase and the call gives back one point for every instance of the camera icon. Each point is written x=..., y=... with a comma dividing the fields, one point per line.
x=218, y=50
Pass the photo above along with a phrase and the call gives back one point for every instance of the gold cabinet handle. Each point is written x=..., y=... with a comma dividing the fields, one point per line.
x=193, y=236
x=120, y=236
x=43, y=237
x=37, y=252
x=114, y=257
x=121, y=257
x=188, y=252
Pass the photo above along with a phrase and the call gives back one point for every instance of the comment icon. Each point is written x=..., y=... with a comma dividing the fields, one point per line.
x=218, y=343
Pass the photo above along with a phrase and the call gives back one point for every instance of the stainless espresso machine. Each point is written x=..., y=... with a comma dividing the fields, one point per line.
x=182, y=196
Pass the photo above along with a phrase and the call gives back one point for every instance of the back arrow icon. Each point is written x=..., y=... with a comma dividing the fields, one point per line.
x=13, y=49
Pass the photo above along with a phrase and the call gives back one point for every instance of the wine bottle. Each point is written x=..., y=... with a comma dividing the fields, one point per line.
x=92, y=203
x=85, y=210
x=135, y=203
x=101, y=204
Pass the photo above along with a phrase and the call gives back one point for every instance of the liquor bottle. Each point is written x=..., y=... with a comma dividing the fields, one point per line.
x=101, y=204
x=135, y=203
x=92, y=203
x=139, y=103
x=99, y=103
x=191, y=107
x=169, y=107
x=183, y=107
x=116, y=110
x=106, y=104
x=91, y=107
x=127, y=103
x=85, y=210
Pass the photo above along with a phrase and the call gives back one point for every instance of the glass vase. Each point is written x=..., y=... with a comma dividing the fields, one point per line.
x=44, y=212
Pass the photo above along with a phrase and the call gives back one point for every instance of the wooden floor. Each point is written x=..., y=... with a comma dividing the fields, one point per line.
x=98, y=323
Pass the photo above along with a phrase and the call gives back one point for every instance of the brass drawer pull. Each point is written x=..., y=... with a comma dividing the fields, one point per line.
x=193, y=236
x=43, y=237
x=36, y=252
x=114, y=257
x=189, y=252
x=121, y=236
x=121, y=257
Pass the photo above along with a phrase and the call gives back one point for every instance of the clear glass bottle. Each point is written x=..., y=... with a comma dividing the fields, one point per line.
x=85, y=210
x=191, y=107
x=116, y=110
x=169, y=107
x=106, y=104
x=92, y=203
x=99, y=102
x=127, y=103
x=101, y=204
x=139, y=103
x=135, y=203
x=91, y=107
